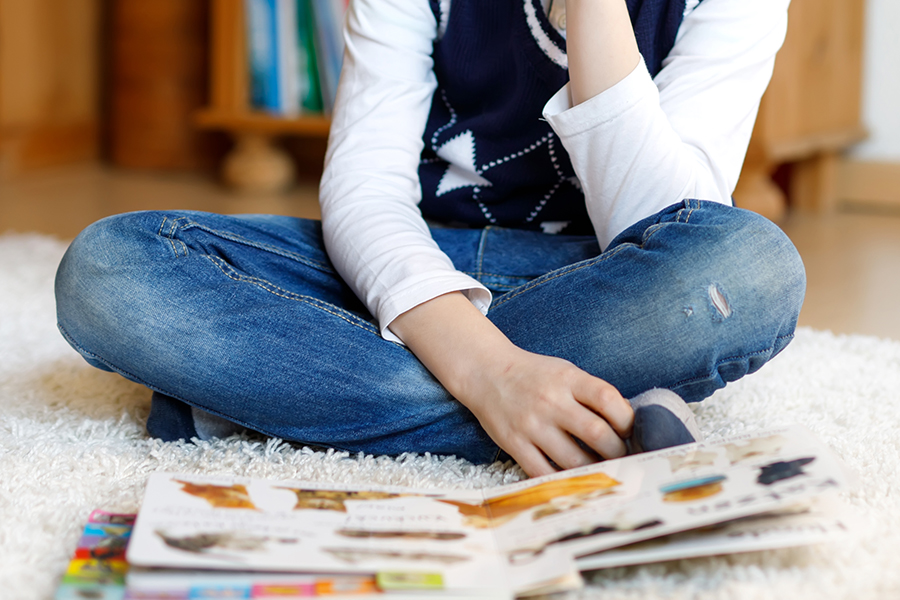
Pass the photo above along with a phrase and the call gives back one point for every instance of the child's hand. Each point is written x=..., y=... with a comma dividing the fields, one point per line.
x=531, y=405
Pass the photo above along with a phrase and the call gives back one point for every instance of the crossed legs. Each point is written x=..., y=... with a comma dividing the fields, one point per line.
x=244, y=318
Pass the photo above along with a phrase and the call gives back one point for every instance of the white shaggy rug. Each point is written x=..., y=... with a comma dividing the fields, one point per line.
x=72, y=439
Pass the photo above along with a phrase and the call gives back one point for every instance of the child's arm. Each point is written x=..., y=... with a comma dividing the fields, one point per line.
x=645, y=143
x=532, y=405
x=374, y=233
x=529, y=404
x=600, y=45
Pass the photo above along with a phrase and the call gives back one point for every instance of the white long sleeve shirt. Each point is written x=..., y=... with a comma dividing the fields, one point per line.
x=636, y=148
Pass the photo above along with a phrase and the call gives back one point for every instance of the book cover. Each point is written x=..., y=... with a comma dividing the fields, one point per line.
x=515, y=539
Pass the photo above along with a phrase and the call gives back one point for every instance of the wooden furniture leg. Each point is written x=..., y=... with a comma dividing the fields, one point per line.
x=814, y=183
x=757, y=192
x=256, y=165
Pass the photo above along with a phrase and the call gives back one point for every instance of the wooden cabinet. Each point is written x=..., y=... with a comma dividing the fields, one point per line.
x=49, y=83
x=157, y=80
x=811, y=111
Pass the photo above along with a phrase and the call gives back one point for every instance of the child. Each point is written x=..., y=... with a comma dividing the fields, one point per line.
x=518, y=238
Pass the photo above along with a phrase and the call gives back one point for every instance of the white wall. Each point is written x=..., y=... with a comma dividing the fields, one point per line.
x=881, y=83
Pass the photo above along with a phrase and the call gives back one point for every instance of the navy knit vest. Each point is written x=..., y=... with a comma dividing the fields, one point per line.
x=489, y=158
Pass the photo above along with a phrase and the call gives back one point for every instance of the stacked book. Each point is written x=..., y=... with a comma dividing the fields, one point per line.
x=295, y=48
x=200, y=536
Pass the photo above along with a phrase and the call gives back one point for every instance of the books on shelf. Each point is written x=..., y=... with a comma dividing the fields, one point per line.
x=201, y=536
x=294, y=49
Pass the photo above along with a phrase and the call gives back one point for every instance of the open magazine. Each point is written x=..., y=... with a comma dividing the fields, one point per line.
x=522, y=538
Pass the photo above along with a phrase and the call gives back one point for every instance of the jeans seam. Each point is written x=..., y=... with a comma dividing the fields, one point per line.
x=506, y=275
x=722, y=361
x=170, y=235
x=507, y=286
x=482, y=242
x=283, y=293
x=564, y=271
x=648, y=233
x=657, y=227
x=244, y=241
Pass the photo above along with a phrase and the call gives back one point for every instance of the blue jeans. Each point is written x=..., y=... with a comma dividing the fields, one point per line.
x=245, y=318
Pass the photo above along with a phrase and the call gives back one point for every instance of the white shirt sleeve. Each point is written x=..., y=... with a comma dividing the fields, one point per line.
x=374, y=232
x=638, y=147
x=645, y=144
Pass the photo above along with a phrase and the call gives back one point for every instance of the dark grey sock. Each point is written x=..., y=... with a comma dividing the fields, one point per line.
x=661, y=420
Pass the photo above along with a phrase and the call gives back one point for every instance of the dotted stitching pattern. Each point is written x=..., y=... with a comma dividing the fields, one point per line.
x=551, y=149
x=451, y=123
x=519, y=154
x=484, y=209
x=547, y=139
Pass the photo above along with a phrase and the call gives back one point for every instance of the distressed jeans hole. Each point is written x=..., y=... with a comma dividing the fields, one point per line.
x=719, y=301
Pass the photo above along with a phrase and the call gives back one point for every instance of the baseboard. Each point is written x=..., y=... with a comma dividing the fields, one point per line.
x=869, y=183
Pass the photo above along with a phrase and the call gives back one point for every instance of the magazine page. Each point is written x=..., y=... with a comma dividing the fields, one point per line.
x=824, y=520
x=208, y=522
x=639, y=497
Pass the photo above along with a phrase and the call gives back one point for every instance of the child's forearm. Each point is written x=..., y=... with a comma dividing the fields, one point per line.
x=600, y=44
x=531, y=405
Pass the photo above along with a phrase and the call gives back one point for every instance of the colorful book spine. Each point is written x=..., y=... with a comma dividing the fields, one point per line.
x=288, y=58
x=263, y=51
x=310, y=90
x=329, y=18
x=98, y=571
x=98, y=568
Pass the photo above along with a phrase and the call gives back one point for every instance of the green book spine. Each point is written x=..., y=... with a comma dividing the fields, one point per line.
x=310, y=88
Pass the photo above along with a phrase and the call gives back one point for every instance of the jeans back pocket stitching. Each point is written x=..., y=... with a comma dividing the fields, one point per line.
x=240, y=240
x=325, y=267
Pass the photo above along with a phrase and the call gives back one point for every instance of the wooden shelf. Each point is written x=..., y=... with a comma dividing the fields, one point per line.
x=262, y=123
x=256, y=163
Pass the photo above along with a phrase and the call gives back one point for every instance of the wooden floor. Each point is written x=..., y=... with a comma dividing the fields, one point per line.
x=852, y=258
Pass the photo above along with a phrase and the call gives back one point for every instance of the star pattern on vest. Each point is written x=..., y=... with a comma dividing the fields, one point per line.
x=459, y=152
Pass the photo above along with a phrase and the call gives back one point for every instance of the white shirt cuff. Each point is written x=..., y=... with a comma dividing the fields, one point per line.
x=568, y=120
x=418, y=291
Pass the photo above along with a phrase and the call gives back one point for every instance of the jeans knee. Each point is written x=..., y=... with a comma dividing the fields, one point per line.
x=97, y=275
x=775, y=274
x=739, y=267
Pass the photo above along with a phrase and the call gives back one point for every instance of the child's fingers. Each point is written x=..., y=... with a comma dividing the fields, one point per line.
x=559, y=446
x=606, y=401
x=532, y=460
x=595, y=431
